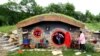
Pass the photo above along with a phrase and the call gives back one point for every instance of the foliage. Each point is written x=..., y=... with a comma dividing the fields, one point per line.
x=12, y=12
x=69, y=9
x=89, y=16
x=89, y=48
x=57, y=8
x=79, y=16
x=8, y=17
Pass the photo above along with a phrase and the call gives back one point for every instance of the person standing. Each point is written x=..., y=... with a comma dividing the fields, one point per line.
x=26, y=42
x=82, y=41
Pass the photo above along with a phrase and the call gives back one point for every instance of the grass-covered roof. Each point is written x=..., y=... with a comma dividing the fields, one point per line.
x=50, y=17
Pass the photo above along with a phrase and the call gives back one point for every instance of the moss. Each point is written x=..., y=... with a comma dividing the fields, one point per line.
x=47, y=14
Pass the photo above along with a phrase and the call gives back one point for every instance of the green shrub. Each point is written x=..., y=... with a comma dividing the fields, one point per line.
x=89, y=48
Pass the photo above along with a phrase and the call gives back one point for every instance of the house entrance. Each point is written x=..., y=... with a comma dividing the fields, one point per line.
x=58, y=37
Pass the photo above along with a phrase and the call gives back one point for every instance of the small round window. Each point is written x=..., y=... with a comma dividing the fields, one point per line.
x=37, y=32
x=58, y=37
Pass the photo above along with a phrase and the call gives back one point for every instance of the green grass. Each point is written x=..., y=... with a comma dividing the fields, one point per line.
x=6, y=29
x=93, y=26
x=72, y=53
x=47, y=14
x=69, y=52
x=31, y=53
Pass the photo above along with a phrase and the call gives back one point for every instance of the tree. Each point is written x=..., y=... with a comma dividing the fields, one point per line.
x=11, y=5
x=69, y=9
x=79, y=16
x=12, y=12
x=57, y=8
x=16, y=12
x=28, y=5
x=3, y=20
x=89, y=17
x=97, y=18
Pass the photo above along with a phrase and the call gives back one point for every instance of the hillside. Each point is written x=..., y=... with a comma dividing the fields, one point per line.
x=7, y=29
x=91, y=26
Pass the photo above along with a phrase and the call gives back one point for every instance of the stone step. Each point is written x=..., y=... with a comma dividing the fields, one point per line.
x=3, y=39
x=9, y=47
x=1, y=48
x=14, y=49
x=4, y=45
x=8, y=44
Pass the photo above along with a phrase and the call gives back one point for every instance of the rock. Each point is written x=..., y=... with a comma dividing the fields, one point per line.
x=1, y=34
x=97, y=49
x=56, y=52
x=77, y=53
x=5, y=34
x=15, y=32
x=2, y=51
x=14, y=49
x=88, y=55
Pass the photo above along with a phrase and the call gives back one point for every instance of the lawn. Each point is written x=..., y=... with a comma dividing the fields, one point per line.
x=69, y=52
x=31, y=53
x=7, y=29
x=93, y=26
x=72, y=53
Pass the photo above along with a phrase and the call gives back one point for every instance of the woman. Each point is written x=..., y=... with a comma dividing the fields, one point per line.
x=82, y=41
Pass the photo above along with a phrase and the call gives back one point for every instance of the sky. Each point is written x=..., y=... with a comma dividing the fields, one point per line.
x=80, y=5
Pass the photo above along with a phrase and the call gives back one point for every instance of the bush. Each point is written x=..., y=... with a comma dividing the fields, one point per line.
x=89, y=48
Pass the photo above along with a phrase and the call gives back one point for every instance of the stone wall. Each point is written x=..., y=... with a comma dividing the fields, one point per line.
x=52, y=27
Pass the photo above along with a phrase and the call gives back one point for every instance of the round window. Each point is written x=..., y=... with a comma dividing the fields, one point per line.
x=37, y=32
x=58, y=37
